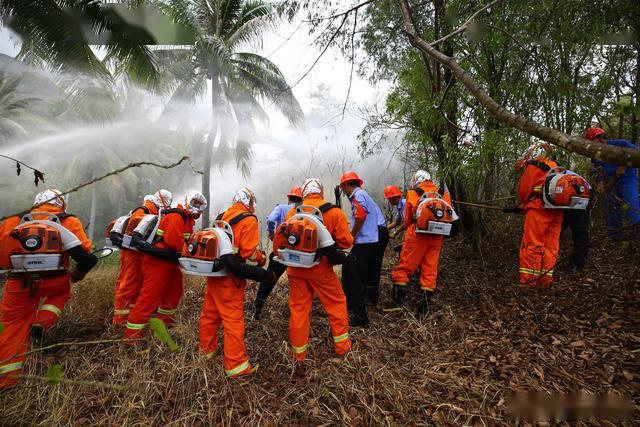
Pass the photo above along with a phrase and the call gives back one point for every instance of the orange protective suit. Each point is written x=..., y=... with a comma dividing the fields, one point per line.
x=40, y=304
x=542, y=227
x=419, y=250
x=162, y=279
x=129, y=280
x=321, y=280
x=224, y=298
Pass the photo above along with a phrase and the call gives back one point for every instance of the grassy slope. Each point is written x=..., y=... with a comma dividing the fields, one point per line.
x=484, y=339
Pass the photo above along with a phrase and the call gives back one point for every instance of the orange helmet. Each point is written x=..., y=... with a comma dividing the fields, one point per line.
x=350, y=176
x=592, y=133
x=391, y=191
x=295, y=192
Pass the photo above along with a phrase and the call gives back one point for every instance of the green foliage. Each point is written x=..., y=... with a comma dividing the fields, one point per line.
x=161, y=334
x=54, y=374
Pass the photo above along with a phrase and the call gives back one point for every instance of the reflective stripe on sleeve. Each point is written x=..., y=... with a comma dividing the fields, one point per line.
x=166, y=312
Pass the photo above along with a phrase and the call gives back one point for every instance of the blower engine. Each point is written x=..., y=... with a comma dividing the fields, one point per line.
x=113, y=235
x=37, y=245
x=565, y=190
x=146, y=230
x=434, y=215
x=201, y=253
x=298, y=241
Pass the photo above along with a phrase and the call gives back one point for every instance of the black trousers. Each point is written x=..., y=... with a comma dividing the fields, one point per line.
x=356, y=273
x=578, y=222
x=266, y=287
x=373, y=289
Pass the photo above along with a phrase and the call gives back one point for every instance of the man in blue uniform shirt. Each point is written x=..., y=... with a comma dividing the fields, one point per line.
x=619, y=185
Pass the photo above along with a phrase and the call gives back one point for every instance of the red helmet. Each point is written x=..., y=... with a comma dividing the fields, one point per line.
x=295, y=192
x=392, y=191
x=350, y=176
x=593, y=133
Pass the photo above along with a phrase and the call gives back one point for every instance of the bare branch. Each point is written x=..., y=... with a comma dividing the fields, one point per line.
x=463, y=26
x=353, y=9
x=591, y=149
x=115, y=172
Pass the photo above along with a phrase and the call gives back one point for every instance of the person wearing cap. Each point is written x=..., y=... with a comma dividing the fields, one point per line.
x=275, y=218
x=359, y=271
x=130, y=276
x=33, y=302
x=393, y=195
x=163, y=284
x=619, y=185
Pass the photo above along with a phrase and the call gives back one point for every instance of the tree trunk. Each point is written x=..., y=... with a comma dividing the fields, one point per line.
x=208, y=154
x=92, y=214
x=591, y=149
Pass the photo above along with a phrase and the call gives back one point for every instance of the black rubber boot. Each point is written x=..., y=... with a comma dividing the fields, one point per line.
x=257, y=308
x=423, y=305
x=37, y=336
x=397, y=299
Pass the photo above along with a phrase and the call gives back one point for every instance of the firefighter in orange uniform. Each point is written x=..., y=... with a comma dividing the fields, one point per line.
x=162, y=284
x=320, y=280
x=130, y=277
x=224, y=296
x=33, y=299
x=542, y=227
x=418, y=250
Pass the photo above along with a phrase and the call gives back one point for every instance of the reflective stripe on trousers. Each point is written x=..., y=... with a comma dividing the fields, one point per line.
x=5, y=369
x=52, y=308
x=237, y=369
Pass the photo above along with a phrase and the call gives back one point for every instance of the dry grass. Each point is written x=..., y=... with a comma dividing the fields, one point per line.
x=484, y=339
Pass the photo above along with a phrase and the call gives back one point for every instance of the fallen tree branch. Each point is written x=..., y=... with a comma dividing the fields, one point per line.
x=591, y=149
x=100, y=178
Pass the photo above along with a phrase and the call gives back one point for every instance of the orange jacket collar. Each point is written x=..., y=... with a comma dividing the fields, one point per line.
x=48, y=208
x=153, y=209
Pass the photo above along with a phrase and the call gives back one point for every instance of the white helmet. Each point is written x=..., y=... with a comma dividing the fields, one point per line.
x=312, y=186
x=195, y=202
x=51, y=197
x=147, y=198
x=162, y=199
x=247, y=198
x=420, y=176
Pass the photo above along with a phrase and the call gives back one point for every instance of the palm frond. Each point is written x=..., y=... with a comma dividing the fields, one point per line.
x=251, y=29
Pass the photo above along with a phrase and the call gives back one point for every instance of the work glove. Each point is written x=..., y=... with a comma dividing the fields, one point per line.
x=512, y=209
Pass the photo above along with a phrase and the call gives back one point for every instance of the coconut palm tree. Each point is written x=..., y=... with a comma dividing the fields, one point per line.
x=240, y=80
x=55, y=32
x=14, y=108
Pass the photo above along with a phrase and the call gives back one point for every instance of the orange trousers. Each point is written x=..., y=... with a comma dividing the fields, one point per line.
x=160, y=295
x=331, y=296
x=540, y=245
x=19, y=311
x=128, y=285
x=224, y=305
x=418, y=251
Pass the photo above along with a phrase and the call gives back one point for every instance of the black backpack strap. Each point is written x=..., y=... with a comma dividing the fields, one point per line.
x=64, y=215
x=418, y=190
x=176, y=211
x=327, y=207
x=219, y=217
x=240, y=217
x=441, y=189
x=540, y=165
